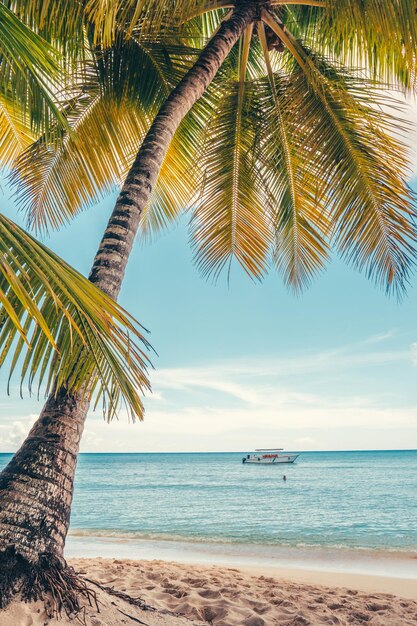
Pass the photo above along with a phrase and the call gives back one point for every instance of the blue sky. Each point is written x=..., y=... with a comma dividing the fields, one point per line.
x=249, y=365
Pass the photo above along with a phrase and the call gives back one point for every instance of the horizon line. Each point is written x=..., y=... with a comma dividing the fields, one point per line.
x=242, y=451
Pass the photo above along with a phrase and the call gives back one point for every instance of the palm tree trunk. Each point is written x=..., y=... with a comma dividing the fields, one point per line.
x=112, y=256
x=36, y=486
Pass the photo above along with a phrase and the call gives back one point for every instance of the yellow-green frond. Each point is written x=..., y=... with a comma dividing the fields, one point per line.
x=29, y=73
x=301, y=224
x=231, y=219
x=15, y=135
x=61, y=22
x=119, y=94
x=56, y=183
x=353, y=147
x=59, y=329
x=145, y=17
x=380, y=33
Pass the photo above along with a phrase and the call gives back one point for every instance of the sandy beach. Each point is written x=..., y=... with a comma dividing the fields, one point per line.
x=220, y=596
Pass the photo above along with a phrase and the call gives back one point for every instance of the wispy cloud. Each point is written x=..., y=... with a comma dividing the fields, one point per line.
x=13, y=432
x=414, y=353
x=381, y=336
x=232, y=376
x=297, y=400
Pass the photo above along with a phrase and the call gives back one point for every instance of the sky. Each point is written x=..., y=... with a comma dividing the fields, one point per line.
x=245, y=365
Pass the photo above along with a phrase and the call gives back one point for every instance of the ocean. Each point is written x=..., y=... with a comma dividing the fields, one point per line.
x=332, y=503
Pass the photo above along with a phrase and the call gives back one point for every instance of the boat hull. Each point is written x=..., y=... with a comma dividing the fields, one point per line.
x=285, y=458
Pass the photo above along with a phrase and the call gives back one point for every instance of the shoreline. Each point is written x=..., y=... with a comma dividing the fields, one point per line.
x=362, y=570
x=401, y=587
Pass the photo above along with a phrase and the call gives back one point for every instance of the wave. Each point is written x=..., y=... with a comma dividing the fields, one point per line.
x=118, y=535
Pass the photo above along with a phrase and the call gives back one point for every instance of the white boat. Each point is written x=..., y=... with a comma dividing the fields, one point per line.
x=270, y=456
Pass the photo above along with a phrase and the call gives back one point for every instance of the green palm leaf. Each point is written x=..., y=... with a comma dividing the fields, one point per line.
x=230, y=219
x=29, y=70
x=55, y=184
x=15, y=136
x=115, y=100
x=381, y=34
x=301, y=224
x=351, y=136
x=57, y=316
x=60, y=22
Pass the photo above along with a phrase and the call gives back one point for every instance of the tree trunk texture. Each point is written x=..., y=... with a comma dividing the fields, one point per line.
x=36, y=487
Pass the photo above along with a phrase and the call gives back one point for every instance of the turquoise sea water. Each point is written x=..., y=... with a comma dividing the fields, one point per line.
x=330, y=499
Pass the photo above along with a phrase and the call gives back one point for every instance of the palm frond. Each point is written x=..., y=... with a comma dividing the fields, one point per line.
x=62, y=330
x=380, y=35
x=142, y=71
x=301, y=223
x=60, y=22
x=29, y=70
x=355, y=149
x=55, y=183
x=230, y=219
x=118, y=94
x=144, y=17
x=15, y=136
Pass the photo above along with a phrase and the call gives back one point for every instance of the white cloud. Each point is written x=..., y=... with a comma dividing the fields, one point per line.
x=229, y=376
x=14, y=431
x=414, y=353
x=381, y=336
x=296, y=400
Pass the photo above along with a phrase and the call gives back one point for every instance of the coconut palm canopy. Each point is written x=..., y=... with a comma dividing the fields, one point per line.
x=293, y=150
x=49, y=313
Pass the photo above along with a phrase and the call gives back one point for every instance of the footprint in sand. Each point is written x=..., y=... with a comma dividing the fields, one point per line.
x=260, y=608
x=196, y=582
x=176, y=592
x=209, y=593
x=210, y=613
x=254, y=620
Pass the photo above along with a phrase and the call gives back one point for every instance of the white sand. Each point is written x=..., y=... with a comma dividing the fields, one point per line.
x=231, y=597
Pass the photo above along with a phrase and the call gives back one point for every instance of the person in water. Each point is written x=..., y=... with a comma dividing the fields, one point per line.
x=284, y=478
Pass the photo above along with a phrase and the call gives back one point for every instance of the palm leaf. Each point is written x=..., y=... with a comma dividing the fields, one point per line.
x=143, y=17
x=380, y=33
x=115, y=99
x=29, y=70
x=301, y=224
x=60, y=22
x=55, y=184
x=15, y=136
x=230, y=219
x=71, y=332
x=352, y=140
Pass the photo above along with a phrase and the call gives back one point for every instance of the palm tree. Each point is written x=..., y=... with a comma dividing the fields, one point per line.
x=47, y=306
x=298, y=154
x=55, y=325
